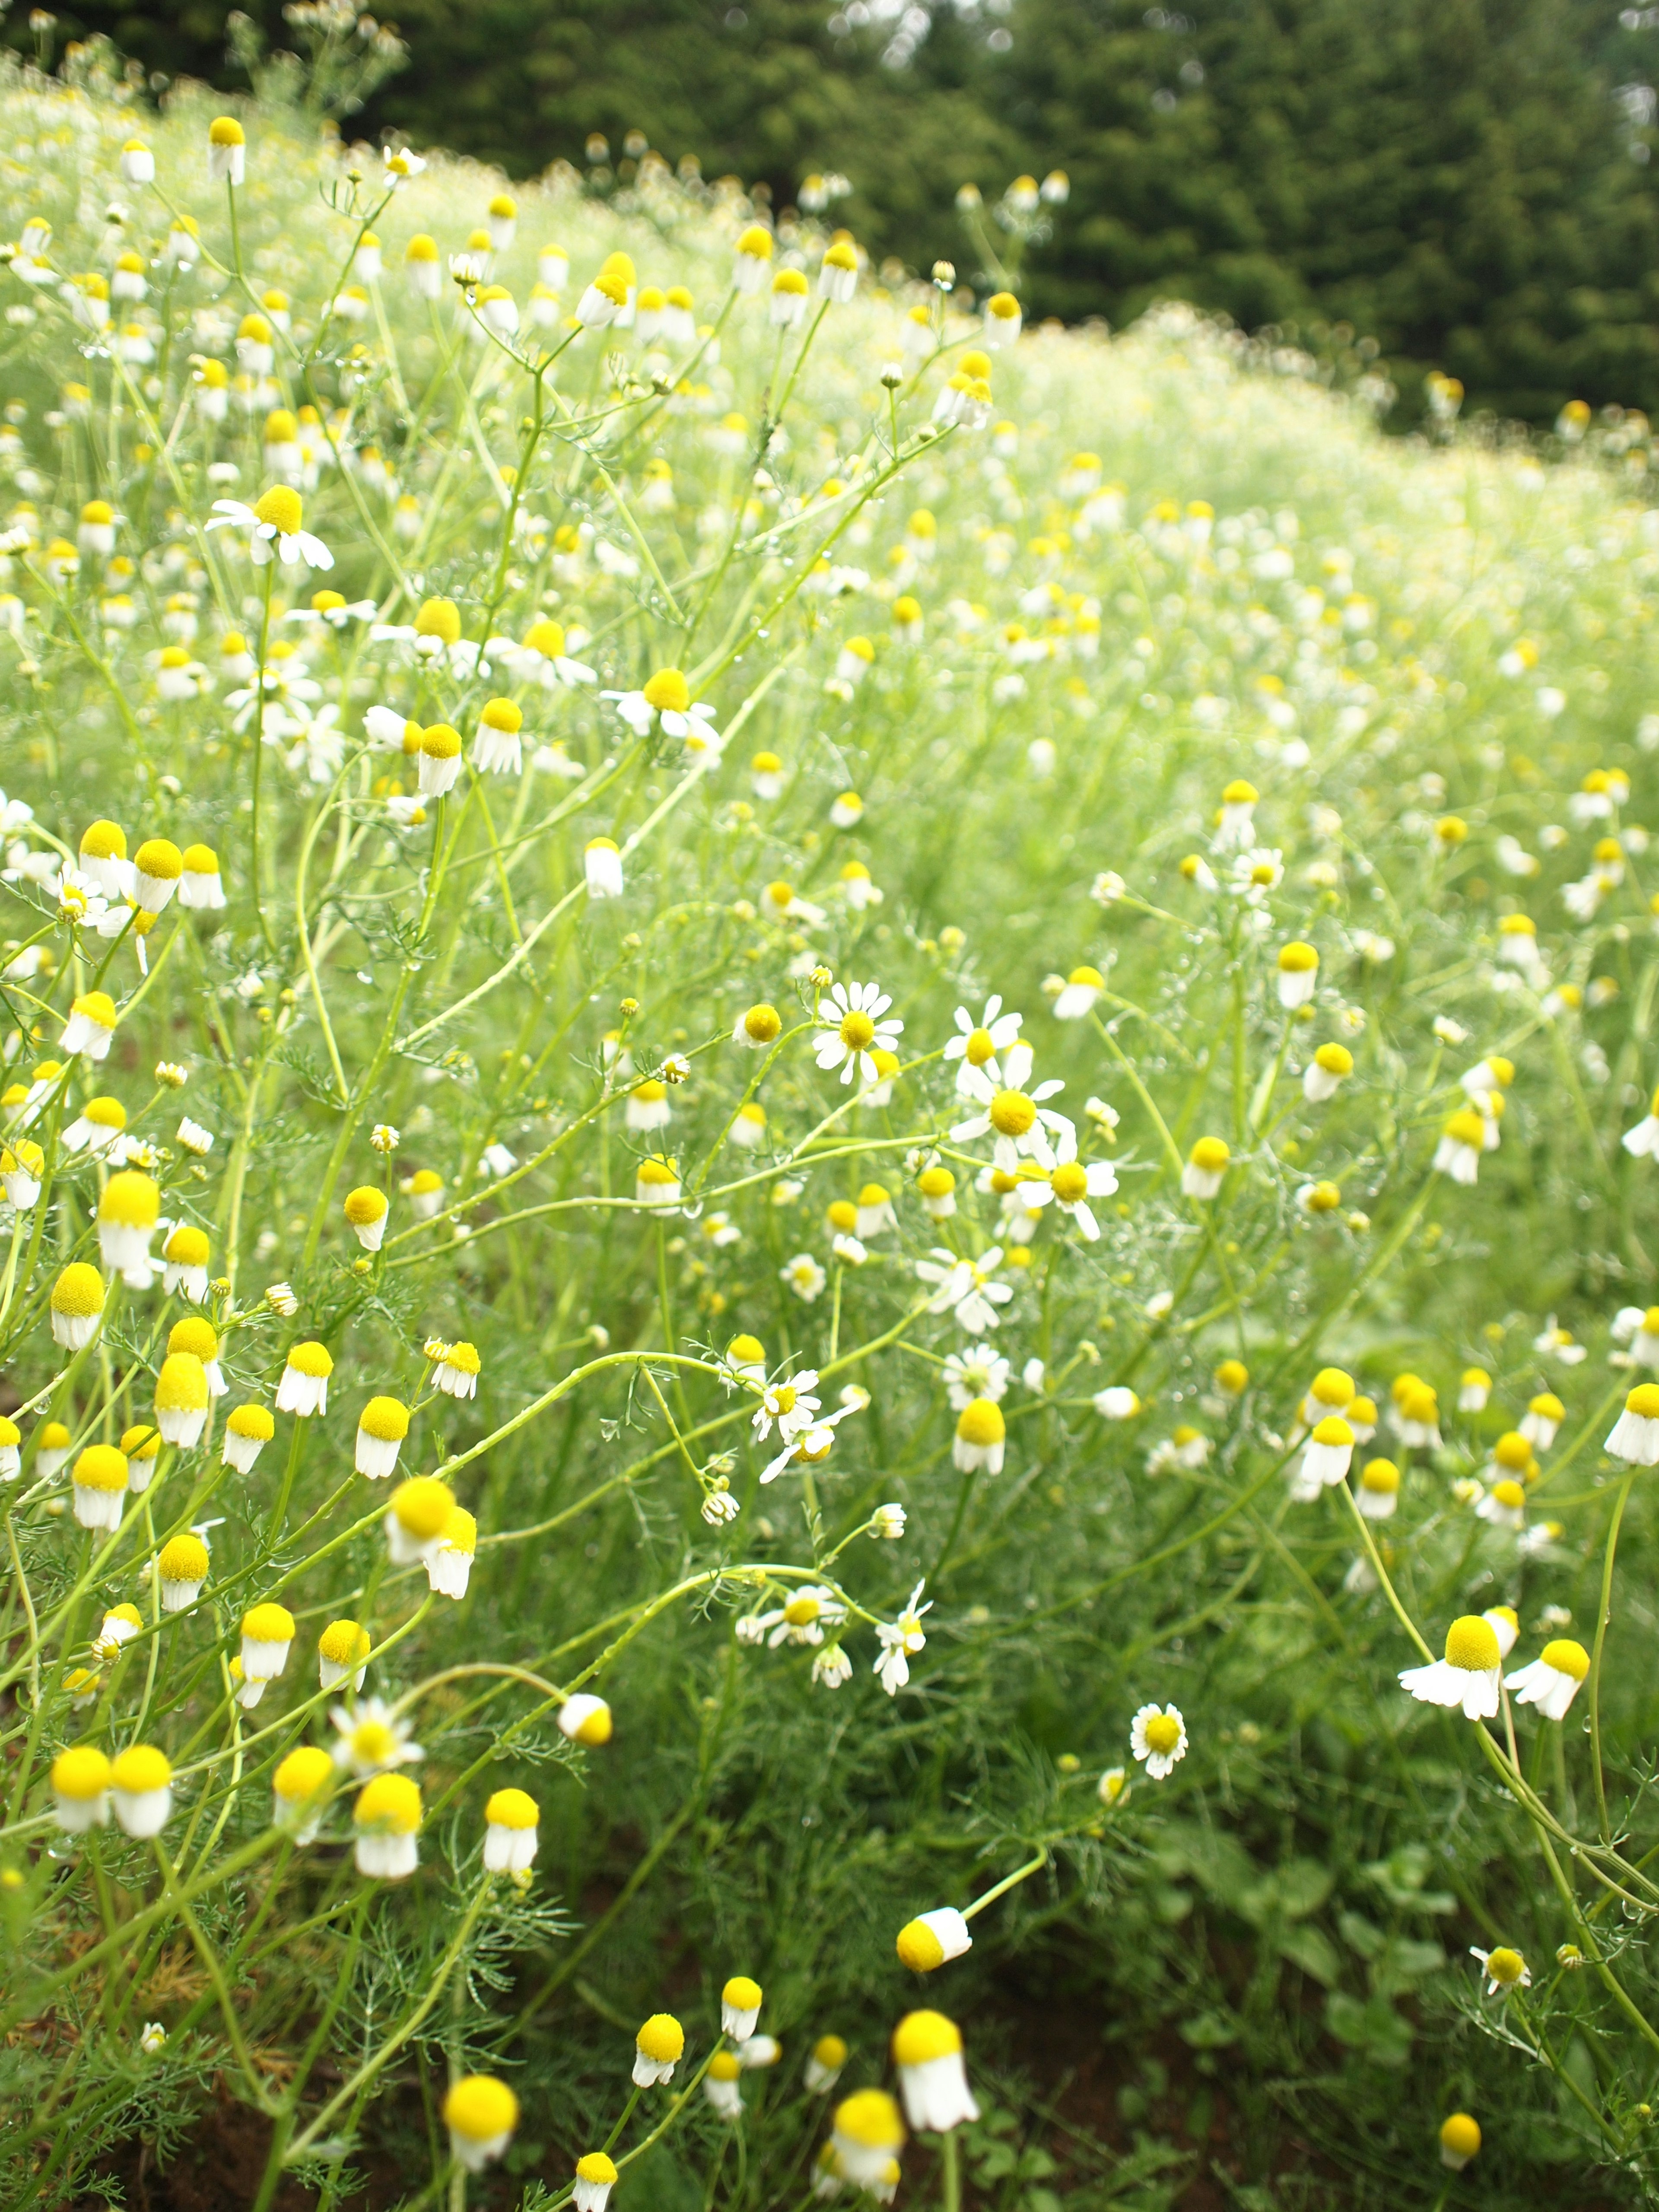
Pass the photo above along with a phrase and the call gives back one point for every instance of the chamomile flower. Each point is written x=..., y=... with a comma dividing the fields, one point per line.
x=80, y=1788
x=141, y=1790
x=480, y=2112
x=303, y=1388
x=900, y=1641
x=932, y=1940
x=1553, y=1680
x=866, y=2135
x=100, y=1129
x=980, y=1436
x=268, y=1633
x=343, y=1651
x=98, y=1481
x=1505, y=1505
x=1634, y=1436
x=1207, y=1166
x=824, y=2062
x=658, y=2049
x=227, y=151
x=853, y=1026
x=301, y=1787
x=1642, y=1140
x=1460, y=2140
x=387, y=1818
x=51, y=1449
x=367, y=1211
x=90, y=1027
x=1325, y=1458
x=966, y=1289
x=1466, y=1676
x=449, y=1564
x=274, y=521
x=1474, y=1390
x=1014, y=1112
x=511, y=1829
x=1378, y=1492
x=596, y=2177
x=382, y=1427
x=419, y=1510
x=1542, y=1419
x=1330, y=1066
x=1157, y=1737
x=371, y=1739
x=456, y=1369
x=185, y=1259
x=247, y=1431
x=584, y=1719
x=1504, y=1969
x=181, y=1399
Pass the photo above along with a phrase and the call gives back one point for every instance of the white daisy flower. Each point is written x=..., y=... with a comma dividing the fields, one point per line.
x=966, y=1287
x=900, y=1641
x=1157, y=1737
x=977, y=1044
x=852, y=1027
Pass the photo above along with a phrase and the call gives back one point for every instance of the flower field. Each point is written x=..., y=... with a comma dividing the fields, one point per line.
x=826, y=1362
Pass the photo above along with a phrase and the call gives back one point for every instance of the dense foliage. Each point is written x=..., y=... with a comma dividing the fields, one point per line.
x=1465, y=184
x=819, y=1123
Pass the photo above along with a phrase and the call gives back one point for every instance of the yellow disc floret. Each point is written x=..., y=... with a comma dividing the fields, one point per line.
x=1472, y=1644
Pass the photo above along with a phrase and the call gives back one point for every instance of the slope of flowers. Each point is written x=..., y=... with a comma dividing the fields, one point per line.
x=827, y=1176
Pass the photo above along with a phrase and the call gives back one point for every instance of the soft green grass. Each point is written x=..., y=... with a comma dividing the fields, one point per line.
x=1249, y=1982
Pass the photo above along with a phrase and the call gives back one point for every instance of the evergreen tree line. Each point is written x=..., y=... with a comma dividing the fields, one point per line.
x=1467, y=182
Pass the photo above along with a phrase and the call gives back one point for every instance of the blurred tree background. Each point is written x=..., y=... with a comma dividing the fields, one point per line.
x=1467, y=182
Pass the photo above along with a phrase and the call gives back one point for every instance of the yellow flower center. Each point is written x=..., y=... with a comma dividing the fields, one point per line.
x=1070, y=1183
x=980, y=1047
x=1472, y=1644
x=1163, y=1733
x=280, y=507
x=857, y=1031
x=1013, y=1114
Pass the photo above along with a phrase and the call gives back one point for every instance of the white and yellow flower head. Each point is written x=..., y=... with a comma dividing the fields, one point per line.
x=382, y=1427
x=227, y=151
x=267, y=1639
x=596, y=2177
x=343, y=1651
x=932, y=2076
x=415, y=1525
x=480, y=2113
x=1207, y=1166
x=1553, y=1680
x=586, y=1719
x=1505, y=1970
x=303, y=1388
x=77, y=1305
x=1157, y=1737
x=80, y=1788
x=1466, y=1676
x=511, y=1818
x=867, y=2134
x=371, y=1739
x=387, y=1820
x=98, y=1487
x=658, y=2049
x=247, y=1431
x=301, y=1787
x=1460, y=2140
x=932, y=1940
x=367, y=1211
